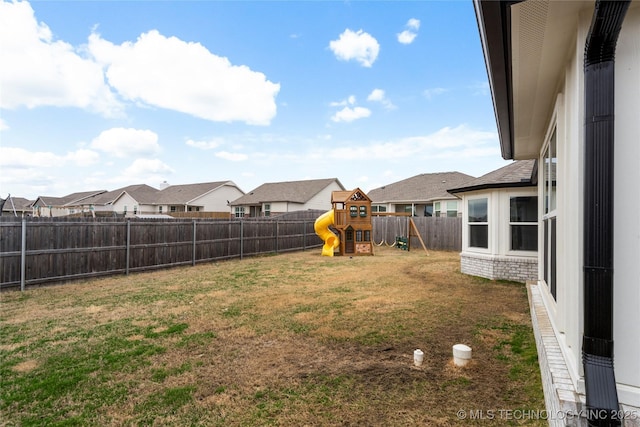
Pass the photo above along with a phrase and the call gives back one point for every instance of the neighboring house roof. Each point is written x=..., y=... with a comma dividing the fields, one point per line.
x=19, y=203
x=140, y=192
x=290, y=191
x=420, y=188
x=521, y=173
x=70, y=199
x=184, y=194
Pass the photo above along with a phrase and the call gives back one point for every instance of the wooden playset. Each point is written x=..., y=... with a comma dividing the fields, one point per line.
x=350, y=216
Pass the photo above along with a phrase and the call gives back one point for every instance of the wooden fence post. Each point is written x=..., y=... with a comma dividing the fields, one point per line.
x=23, y=255
x=194, y=243
x=241, y=238
x=126, y=270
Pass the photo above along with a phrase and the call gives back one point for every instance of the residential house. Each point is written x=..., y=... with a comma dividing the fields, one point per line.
x=47, y=206
x=279, y=197
x=129, y=200
x=15, y=206
x=421, y=195
x=192, y=199
x=500, y=223
x=565, y=82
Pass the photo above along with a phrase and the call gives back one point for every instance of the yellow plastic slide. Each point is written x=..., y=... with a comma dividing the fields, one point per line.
x=321, y=227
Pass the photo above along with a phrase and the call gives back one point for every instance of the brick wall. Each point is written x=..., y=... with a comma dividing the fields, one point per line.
x=499, y=267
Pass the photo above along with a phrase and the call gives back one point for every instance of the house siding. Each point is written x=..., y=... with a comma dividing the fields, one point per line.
x=216, y=200
x=322, y=200
x=565, y=312
x=497, y=262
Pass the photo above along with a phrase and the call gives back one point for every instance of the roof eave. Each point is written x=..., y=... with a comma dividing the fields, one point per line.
x=494, y=25
x=492, y=186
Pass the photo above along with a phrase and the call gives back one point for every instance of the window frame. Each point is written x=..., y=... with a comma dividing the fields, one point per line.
x=549, y=191
x=478, y=224
x=449, y=210
x=530, y=224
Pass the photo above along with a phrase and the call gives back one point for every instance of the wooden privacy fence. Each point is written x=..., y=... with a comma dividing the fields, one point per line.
x=438, y=233
x=41, y=251
x=36, y=251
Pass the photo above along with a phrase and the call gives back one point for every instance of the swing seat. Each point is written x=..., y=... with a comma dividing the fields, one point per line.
x=402, y=243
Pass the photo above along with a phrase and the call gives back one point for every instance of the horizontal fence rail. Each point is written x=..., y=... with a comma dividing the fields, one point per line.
x=37, y=251
x=438, y=233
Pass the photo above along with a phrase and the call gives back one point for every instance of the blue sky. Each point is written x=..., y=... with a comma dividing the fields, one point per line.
x=103, y=94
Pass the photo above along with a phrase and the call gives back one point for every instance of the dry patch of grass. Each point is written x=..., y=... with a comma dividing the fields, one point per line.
x=293, y=339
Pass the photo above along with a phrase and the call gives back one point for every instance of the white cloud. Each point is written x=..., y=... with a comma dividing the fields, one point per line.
x=205, y=145
x=406, y=37
x=430, y=93
x=351, y=100
x=234, y=157
x=358, y=46
x=410, y=33
x=348, y=114
x=413, y=23
x=19, y=158
x=121, y=142
x=3, y=125
x=145, y=170
x=378, y=95
x=184, y=76
x=40, y=71
x=445, y=143
x=83, y=157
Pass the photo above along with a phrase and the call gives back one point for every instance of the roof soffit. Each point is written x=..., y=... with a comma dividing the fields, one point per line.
x=543, y=38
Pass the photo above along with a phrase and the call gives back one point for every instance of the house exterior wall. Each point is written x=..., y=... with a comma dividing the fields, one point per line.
x=322, y=200
x=216, y=200
x=626, y=210
x=128, y=205
x=419, y=207
x=565, y=311
x=497, y=261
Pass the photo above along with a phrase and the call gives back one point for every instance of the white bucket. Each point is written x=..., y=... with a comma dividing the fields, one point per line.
x=418, y=357
x=461, y=354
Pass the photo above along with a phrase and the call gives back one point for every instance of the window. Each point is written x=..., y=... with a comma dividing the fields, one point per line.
x=358, y=235
x=173, y=209
x=239, y=212
x=363, y=211
x=437, y=208
x=367, y=235
x=135, y=209
x=428, y=209
x=378, y=208
x=478, y=223
x=159, y=209
x=267, y=209
x=353, y=211
x=452, y=209
x=550, y=173
x=523, y=223
x=125, y=210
